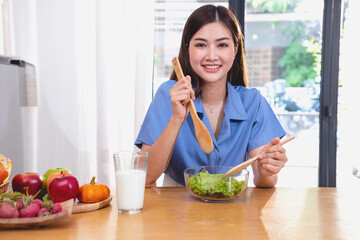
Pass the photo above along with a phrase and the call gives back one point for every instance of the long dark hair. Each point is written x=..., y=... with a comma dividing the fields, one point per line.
x=209, y=14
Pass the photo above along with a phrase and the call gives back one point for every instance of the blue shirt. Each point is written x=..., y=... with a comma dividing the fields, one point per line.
x=249, y=122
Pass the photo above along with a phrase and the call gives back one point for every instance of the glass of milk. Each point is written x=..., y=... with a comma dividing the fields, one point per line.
x=130, y=174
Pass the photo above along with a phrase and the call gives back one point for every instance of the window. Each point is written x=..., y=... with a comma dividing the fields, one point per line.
x=283, y=53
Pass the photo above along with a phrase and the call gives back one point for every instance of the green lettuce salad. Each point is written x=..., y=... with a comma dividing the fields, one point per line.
x=206, y=184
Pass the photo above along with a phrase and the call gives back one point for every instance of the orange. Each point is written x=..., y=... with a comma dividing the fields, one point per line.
x=5, y=168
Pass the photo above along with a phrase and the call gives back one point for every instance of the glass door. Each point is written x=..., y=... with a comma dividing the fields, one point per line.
x=348, y=164
x=283, y=53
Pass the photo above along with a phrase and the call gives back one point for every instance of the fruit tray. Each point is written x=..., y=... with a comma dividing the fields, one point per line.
x=88, y=207
x=17, y=223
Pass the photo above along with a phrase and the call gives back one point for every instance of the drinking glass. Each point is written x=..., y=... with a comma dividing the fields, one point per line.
x=130, y=173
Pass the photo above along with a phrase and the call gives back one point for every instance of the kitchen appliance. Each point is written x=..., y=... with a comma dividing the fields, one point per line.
x=18, y=113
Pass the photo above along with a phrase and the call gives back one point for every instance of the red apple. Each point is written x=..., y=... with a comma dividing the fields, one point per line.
x=63, y=188
x=31, y=180
x=47, y=174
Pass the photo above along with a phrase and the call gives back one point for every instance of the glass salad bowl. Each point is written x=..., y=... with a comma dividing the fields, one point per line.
x=207, y=183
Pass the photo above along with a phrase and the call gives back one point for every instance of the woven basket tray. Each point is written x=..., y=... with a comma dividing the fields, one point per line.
x=4, y=187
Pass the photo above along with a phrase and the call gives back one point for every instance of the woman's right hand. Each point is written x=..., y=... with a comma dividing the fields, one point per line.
x=180, y=95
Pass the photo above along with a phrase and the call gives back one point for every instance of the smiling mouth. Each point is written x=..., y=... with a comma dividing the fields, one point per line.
x=212, y=66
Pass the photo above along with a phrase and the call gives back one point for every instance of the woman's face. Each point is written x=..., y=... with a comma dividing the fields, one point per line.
x=212, y=52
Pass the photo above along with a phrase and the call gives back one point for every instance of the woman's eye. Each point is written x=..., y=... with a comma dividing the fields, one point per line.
x=200, y=45
x=223, y=45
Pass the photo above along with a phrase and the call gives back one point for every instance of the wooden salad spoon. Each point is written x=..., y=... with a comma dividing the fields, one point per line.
x=247, y=163
x=202, y=134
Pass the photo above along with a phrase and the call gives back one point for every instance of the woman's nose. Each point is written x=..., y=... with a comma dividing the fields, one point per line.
x=211, y=53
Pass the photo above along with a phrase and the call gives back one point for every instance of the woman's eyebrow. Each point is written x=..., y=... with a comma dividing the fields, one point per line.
x=217, y=40
x=222, y=39
x=200, y=39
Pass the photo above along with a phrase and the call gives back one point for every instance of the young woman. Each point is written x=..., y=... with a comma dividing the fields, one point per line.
x=240, y=121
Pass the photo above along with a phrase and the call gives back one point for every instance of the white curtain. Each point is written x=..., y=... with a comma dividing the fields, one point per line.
x=94, y=70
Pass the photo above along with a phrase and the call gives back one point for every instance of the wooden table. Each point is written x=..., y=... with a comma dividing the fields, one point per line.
x=172, y=213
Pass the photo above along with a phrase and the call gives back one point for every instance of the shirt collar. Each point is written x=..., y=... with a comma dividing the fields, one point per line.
x=199, y=107
x=234, y=106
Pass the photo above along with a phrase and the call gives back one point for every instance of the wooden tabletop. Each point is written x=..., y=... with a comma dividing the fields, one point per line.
x=172, y=213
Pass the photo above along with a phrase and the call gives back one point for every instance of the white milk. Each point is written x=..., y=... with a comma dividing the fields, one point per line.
x=130, y=188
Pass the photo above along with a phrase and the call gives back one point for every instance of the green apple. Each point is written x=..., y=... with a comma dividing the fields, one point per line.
x=48, y=173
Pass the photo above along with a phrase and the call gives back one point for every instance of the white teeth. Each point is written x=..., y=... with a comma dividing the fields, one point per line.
x=213, y=66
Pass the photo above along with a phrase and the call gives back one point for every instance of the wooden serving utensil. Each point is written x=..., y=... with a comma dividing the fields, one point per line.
x=247, y=163
x=202, y=134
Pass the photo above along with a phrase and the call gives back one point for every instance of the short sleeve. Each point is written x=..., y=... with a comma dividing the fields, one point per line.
x=157, y=116
x=265, y=126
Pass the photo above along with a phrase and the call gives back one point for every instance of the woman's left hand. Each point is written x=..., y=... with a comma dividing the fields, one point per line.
x=272, y=158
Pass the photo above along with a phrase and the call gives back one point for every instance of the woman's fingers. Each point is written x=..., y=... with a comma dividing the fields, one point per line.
x=182, y=96
x=273, y=157
x=271, y=168
x=181, y=93
x=272, y=147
